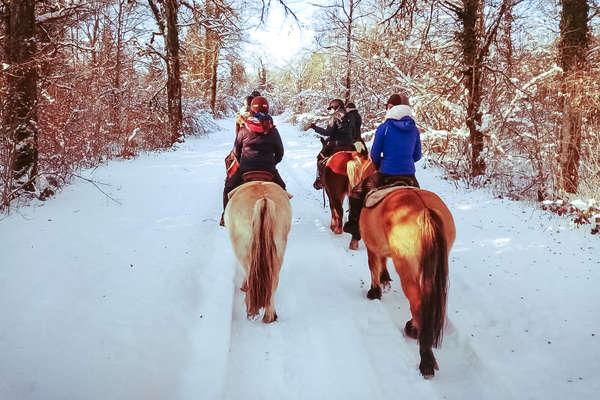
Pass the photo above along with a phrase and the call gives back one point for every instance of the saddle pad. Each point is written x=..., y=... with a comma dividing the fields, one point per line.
x=254, y=183
x=337, y=162
x=376, y=195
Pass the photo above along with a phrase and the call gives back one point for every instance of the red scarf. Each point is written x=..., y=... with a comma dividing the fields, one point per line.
x=257, y=126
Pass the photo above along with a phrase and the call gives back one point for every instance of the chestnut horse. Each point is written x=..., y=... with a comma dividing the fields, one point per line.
x=258, y=217
x=336, y=184
x=415, y=228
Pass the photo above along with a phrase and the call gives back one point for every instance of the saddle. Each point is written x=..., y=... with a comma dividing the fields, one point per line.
x=375, y=196
x=253, y=176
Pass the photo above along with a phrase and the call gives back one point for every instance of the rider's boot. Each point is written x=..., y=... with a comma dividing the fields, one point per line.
x=351, y=226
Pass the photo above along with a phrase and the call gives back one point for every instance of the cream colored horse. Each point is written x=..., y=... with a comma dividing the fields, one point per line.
x=258, y=217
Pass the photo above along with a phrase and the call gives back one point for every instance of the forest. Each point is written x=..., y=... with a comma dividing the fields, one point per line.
x=506, y=93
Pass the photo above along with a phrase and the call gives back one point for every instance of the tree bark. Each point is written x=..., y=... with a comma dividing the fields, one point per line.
x=349, y=51
x=20, y=121
x=173, y=70
x=472, y=18
x=573, y=47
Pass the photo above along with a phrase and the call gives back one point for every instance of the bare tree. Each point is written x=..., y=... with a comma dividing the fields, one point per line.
x=20, y=117
x=166, y=13
x=475, y=40
x=573, y=47
x=337, y=33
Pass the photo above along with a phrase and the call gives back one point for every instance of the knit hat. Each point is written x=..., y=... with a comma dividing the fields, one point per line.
x=396, y=100
x=259, y=104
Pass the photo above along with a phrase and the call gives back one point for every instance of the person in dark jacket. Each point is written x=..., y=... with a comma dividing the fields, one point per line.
x=338, y=133
x=355, y=122
x=396, y=148
x=258, y=147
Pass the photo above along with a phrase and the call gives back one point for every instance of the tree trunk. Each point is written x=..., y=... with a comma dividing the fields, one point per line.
x=213, y=80
x=349, y=51
x=20, y=121
x=173, y=70
x=472, y=19
x=573, y=46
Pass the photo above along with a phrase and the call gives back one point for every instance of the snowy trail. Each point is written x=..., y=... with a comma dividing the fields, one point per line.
x=356, y=346
x=141, y=299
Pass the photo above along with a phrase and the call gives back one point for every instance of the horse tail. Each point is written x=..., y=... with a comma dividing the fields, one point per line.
x=434, y=280
x=263, y=253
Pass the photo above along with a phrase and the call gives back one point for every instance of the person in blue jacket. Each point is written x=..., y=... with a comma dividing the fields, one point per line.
x=396, y=148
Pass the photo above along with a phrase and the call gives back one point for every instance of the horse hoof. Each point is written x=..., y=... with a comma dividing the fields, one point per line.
x=353, y=245
x=428, y=364
x=268, y=320
x=386, y=286
x=252, y=317
x=410, y=330
x=374, y=293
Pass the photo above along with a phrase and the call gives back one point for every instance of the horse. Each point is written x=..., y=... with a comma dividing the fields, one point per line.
x=336, y=184
x=258, y=217
x=416, y=229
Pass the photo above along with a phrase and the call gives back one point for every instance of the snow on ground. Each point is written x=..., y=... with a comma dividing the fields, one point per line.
x=139, y=298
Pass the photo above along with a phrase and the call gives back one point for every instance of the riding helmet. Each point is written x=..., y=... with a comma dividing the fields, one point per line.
x=259, y=104
x=335, y=104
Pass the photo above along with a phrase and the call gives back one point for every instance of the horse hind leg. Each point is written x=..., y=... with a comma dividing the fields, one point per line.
x=385, y=279
x=376, y=265
x=410, y=286
x=270, y=313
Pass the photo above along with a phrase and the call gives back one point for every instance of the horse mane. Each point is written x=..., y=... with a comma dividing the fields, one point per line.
x=263, y=256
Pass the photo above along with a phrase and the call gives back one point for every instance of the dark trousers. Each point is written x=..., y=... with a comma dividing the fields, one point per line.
x=236, y=180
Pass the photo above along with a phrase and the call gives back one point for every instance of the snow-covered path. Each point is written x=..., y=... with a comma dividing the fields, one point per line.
x=141, y=300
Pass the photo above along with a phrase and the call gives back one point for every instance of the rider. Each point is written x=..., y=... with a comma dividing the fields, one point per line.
x=355, y=121
x=258, y=147
x=339, y=136
x=396, y=148
x=242, y=115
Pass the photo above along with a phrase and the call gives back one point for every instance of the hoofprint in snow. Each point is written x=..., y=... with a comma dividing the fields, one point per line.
x=140, y=299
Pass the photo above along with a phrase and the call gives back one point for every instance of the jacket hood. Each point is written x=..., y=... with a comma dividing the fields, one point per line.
x=398, y=112
x=400, y=117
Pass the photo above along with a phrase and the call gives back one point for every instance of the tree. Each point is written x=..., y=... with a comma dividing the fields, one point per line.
x=573, y=45
x=475, y=40
x=20, y=118
x=341, y=17
x=165, y=13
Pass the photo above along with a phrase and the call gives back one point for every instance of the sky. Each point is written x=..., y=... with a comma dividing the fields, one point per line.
x=137, y=296
x=283, y=38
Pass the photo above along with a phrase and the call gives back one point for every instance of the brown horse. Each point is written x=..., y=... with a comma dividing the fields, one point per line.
x=415, y=228
x=336, y=184
x=258, y=217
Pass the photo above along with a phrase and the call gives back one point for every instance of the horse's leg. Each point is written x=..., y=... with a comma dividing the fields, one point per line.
x=336, y=215
x=376, y=264
x=385, y=279
x=406, y=269
x=270, y=313
x=412, y=291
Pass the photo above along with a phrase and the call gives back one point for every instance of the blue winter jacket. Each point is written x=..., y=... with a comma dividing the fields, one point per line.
x=397, y=143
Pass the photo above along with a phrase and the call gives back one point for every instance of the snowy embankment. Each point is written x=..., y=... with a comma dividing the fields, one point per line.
x=137, y=297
